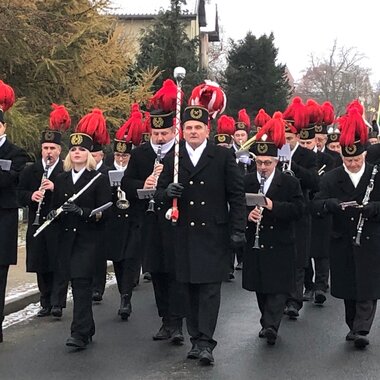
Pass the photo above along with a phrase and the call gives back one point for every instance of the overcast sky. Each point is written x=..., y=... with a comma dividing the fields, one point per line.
x=301, y=27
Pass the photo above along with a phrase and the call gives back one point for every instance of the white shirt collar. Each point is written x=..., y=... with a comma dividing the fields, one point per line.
x=355, y=177
x=195, y=154
x=99, y=164
x=76, y=176
x=51, y=168
x=294, y=149
x=3, y=138
x=267, y=182
x=119, y=167
x=164, y=147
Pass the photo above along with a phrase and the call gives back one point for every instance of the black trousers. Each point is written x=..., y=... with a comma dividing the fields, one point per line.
x=360, y=315
x=99, y=277
x=127, y=273
x=296, y=298
x=272, y=308
x=83, y=325
x=202, y=312
x=322, y=268
x=53, y=289
x=169, y=295
x=3, y=284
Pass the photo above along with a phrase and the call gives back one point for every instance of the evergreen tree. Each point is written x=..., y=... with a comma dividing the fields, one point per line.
x=165, y=45
x=253, y=79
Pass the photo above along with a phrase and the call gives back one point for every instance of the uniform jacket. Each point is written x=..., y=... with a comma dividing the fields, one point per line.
x=355, y=271
x=9, y=203
x=78, y=234
x=271, y=269
x=212, y=205
x=41, y=251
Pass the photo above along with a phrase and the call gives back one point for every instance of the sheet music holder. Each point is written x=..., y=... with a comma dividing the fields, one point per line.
x=146, y=193
x=254, y=199
x=284, y=153
x=5, y=165
x=115, y=177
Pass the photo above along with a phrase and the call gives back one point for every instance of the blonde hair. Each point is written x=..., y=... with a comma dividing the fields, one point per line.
x=90, y=164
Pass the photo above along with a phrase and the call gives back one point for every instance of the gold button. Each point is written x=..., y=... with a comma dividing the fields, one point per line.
x=262, y=246
x=352, y=218
x=66, y=229
x=203, y=203
x=202, y=183
x=191, y=182
x=192, y=224
x=191, y=203
x=74, y=229
x=367, y=237
x=271, y=227
x=126, y=215
x=203, y=224
x=66, y=195
x=119, y=216
x=158, y=208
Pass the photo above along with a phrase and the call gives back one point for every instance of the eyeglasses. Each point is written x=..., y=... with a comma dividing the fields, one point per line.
x=265, y=163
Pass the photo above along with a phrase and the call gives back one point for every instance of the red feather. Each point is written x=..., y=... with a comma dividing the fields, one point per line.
x=296, y=112
x=146, y=127
x=94, y=124
x=314, y=111
x=166, y=97
x=328, y=113
x=225, y=125
x=59, y=118
x=132, y=129
x=7, y=96
x=352, y=128
x=274, y=129
x=261, y=118
x=243, y=117
x=355, y=104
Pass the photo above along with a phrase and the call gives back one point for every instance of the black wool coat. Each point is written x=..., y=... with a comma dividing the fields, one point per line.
x=9, y=202
x=212, y=206
x=78, y=235
x=271, y=269
x=41, y=251
x=355, y=271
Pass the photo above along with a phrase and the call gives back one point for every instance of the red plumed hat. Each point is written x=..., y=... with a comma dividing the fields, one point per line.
x=7, y=96
x=132, y=129
x=165, y=98
x=59, y=118
x=94, y=125
x=296, y=114
x=328, y=113
x=244, y=118
x=354, y=133
x=314, y=111
x=274, y=129
x=355, y=104
x=261, y=118
x=225, y=125
x=210, y=96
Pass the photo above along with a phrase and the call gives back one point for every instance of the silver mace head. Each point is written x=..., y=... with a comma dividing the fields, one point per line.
x=179, y=73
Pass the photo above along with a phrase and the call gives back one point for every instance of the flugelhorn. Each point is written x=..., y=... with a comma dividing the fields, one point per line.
x=44, y=176
x=122, y=202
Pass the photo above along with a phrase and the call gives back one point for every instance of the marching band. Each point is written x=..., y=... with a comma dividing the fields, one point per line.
x=182, y=208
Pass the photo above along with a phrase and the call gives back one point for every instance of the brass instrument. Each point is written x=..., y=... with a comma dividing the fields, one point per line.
x=44, y=176
x=256, y=244
x=365, y=201
x=156, y=162
x=122, y=202
x=287, y=167
x=321, y=171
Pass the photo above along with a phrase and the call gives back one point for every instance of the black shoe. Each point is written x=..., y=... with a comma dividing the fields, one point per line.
x=194, y=352
x=125, y=306
x=350, y=336
x=56, y=311
x=176, y=337
x=231, y=276
x=262, y=333
x=361, y=341
x=162, y=334
x=271, y=335
x=239, y=266
x=292, y=312
x=75, y=342
x=147, y=277
x=1, y=335
x=44, y=312
x=319, y=297
x=205, y=356
x=97, y=296
x=308, y=294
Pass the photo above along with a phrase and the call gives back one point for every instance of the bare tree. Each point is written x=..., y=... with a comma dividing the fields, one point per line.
x=339, y=78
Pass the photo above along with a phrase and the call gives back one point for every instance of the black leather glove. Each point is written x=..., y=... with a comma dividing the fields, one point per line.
x=174, y=190
x=369, y=210
x=238, y=240
x=332, y=205
x=51, y=215
x=72, y=207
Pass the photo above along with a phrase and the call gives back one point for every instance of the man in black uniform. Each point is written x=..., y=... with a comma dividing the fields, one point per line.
x=211, y=214
x=8, y=198
x=35, y=191
x=270, y=255
x=354, y=258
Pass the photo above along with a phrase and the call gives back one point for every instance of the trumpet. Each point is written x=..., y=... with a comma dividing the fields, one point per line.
x=256, y=244
x=287, y=166
x=156, y=162
x=122, y=202
x=44, y=176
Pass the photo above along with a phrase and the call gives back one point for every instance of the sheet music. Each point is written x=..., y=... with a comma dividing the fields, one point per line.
x=115, y=177
x=6, y=165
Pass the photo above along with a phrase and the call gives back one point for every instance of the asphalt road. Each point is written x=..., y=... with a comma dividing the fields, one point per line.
x=311, y=348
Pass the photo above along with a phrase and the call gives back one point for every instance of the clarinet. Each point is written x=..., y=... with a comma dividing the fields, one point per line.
x=156, y=162
x=44, y=176
x=256, y=244
x=359, y=228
